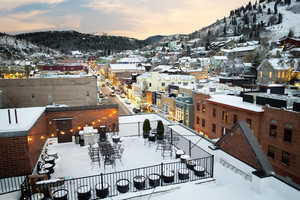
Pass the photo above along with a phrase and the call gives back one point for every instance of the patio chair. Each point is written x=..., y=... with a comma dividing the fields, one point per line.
x=160, y=144
x=167, y=150
x=109, y=161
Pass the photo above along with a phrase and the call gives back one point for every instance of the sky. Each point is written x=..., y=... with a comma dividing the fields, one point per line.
x=133, y=18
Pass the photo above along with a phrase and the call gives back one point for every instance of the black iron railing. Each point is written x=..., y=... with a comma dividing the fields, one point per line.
x=11, y=184
x=115, y=183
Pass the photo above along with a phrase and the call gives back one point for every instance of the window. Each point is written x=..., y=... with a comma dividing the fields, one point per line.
x=223, y=131
x=87, y=93
x=214, y=128
x=273, y=130
x=214, y=112
x=198, y=120
x=203, y=123
x=185, y=83
x=279, y=75
x=32, y=96
x=261, y=74
x=270, y=75
x=287, y=135
x=198, y=106
x=203, y=108
x=235, y=119
x=271, y=151
x=285, y=158
x=249, y=122
x=163, y=84
x=225, y=116
x=179, y=83
x=150, y=84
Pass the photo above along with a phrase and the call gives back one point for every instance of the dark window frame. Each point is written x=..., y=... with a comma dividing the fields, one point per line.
x=271, y=151
x=273, y=130
x=285, y=158
x=286, y=137
x=203, y=123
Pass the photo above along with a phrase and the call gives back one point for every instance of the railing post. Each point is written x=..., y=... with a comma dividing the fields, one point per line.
x=190, y=148
x=212, y=166
x=101, y=175
x=171, y=136
x=161, y=173
x=139, y=128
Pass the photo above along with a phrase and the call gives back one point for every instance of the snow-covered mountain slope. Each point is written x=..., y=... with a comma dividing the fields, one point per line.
x=276, y=18
x=12, y=48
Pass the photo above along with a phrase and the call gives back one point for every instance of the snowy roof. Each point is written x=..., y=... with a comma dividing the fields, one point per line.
x=235, y=101
x=220, y=57
x=124, y=67
x=233, y=179
x=132, y=60
x=240, y=49
x=26, y=118
x=278, y=64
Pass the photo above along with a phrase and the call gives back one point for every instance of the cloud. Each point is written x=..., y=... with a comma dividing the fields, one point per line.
x=133, y=18
x=11, y=4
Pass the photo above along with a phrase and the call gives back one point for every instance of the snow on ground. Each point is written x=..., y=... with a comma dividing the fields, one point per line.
x=234, y=179
x=74, y=160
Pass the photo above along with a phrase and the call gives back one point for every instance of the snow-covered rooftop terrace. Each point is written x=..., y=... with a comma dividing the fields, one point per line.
x=233, y=178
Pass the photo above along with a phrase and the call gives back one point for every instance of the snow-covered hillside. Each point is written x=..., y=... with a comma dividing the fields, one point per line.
x=12, y=48
x=276, y=18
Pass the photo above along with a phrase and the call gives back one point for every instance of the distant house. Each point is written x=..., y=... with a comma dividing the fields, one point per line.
x=290, y=42
x=274, y=70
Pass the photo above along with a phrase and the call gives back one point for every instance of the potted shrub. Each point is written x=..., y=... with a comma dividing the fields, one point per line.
x=146, y=128
x=160, y=130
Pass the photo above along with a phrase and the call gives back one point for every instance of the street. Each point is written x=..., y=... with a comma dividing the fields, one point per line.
x=123, y=110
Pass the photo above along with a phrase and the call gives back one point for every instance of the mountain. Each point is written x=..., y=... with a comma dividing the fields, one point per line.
x=66, y=41
x=12, y=48
x=271, y=19
x=154, y=39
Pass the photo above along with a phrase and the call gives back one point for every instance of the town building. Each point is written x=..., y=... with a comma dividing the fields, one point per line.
x=47, y=91
x=23, y=131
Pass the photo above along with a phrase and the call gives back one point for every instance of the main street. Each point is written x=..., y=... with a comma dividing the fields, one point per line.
x=123, y=110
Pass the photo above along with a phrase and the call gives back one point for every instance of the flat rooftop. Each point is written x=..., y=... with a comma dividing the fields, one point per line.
x=26, y=117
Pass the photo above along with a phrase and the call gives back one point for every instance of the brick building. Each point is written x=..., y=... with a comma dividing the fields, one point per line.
x=216, y=114
x=45, y=91
x=276, y=129
x=23, y=132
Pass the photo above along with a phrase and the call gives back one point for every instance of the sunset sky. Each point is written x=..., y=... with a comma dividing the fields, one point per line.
x=133, y=18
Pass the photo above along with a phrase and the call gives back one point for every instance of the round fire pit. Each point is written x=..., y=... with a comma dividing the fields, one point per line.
x=37, y=196
x=190, y=164
x=154, y=180
x=116, y=139
x=61, y=194
x=179, y=153
x=49, y=167
x=184, y=158
x=139, y=182
x=199, y=170
x=102, y=190
x=84, y=192
x=45, y=172
x=168, y=176
x=183, y=174
x=123, y=185
x=50, y=159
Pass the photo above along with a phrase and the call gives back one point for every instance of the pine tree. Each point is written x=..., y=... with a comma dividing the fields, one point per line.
x=254, y=18
x=269, y=11
x=275, y=8
x=279, y=18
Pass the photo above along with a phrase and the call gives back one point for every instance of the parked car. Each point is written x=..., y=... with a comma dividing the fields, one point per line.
x=101, y=95
x=127, y=102
x=123, y=95
x=136, y=110
x=112, y=94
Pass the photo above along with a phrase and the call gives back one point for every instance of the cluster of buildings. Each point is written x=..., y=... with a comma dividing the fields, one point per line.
x=210, y=89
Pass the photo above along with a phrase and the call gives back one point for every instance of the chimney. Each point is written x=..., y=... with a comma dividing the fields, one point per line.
x=9, y=119
x=16, y=116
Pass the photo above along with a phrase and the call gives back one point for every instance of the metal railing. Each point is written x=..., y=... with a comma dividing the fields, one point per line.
x=132, y=180
x=11, y=184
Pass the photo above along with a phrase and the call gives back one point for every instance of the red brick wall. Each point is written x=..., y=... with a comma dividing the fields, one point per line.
x=37, y=137
x=14, y=157
x=283, y=118
x=210, y=119
x=236, y=145
x=107, y=117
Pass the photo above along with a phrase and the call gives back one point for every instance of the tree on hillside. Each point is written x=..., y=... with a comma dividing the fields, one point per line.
x=279, y=18
x=291, y=33
x=269, y=11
